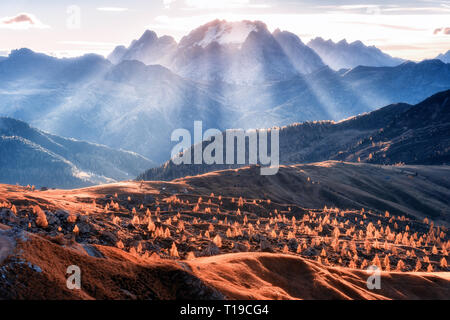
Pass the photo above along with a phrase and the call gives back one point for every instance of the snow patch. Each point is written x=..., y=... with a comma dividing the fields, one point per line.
x=227, y=33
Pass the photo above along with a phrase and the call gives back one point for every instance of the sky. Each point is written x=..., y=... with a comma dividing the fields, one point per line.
x=414, y=29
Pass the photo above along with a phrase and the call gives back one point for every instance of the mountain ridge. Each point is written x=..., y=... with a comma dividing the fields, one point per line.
x=344, y=55
x=444, y=57
x=390, y=135
x=34, y=157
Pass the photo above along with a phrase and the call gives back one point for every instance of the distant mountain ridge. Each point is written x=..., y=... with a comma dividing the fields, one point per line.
x=399, y=133
x=25, y=63
x=303, y=59
x=344, y=55
x=30, y=156
x=444, y=57
x=149, y=49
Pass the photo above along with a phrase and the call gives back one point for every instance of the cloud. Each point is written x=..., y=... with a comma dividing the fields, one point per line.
x=208, y=4
x=223, y=4
x=113, y=9
x=419, y=10
x=168, y=3
x=162, y=19
x=18, y=19
x=386, y=9
x=445, y=31
x=22, y=21
x=74, y=48
x=75, y=53
x=90, y=43
x=400, y=47
x=384, y=25
x=368, y=8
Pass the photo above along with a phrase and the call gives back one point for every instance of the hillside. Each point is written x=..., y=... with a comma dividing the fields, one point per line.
x=398, y=133
x=250, y=276
x=233, y=235
x=418, y=191
x=417, y=136
x=34, y=157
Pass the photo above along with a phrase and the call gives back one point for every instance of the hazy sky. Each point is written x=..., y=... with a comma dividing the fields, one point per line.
x=413, y=29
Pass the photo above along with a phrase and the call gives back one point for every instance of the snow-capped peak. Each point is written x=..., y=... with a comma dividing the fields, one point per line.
x=222, y=32
x=444, y=57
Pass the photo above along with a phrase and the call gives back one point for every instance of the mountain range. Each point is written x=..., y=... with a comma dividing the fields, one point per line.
x=220, y=50
x=396, y=134
x=34, y=157
x=155, y=85
x=133, y=106
x=363, y=180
